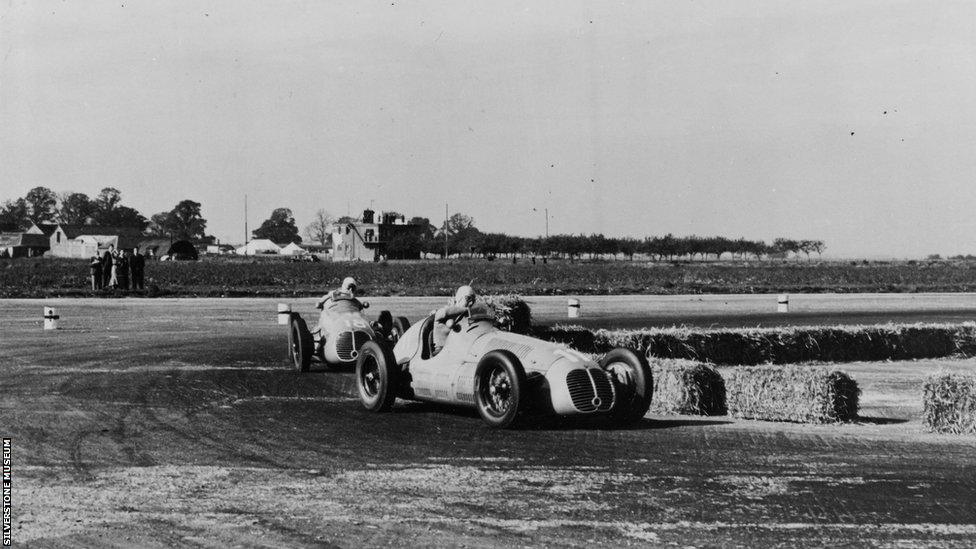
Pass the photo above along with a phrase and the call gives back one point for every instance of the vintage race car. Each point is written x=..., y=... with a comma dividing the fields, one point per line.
x=502, y=374
x=340, y=334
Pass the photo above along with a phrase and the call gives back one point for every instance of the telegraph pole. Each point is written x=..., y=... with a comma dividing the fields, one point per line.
x=445, y=230
x=245, y=223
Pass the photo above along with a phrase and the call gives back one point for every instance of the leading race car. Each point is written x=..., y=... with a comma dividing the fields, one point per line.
x=502, y=374
x=342, y=330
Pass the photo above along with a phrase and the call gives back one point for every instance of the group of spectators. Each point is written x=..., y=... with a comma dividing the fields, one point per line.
x=118, y=269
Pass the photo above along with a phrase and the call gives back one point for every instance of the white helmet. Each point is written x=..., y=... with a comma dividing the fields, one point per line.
x=349, y=284
x=464, y=296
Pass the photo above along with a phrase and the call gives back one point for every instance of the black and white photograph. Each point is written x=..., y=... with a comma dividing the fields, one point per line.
x=468, y=274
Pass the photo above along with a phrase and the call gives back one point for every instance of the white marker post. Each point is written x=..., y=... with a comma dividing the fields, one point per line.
x=284, y=314
x=51, y=317
x=574, y=308
x=783, y=303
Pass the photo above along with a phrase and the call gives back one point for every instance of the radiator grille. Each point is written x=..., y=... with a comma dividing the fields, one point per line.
x=349, y=342
x=591, y=390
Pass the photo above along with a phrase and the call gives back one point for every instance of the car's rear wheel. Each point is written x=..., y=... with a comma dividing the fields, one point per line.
x=377, y=376
x=499, y=389
x=631, y=375
x=300, y=345
x=400, y=327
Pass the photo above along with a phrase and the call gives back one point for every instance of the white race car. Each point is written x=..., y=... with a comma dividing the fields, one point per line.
x=502, y=374
x=341, y=332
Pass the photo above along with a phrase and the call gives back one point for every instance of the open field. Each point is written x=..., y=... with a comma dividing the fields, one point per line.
x=47, y=277
x=176, y=422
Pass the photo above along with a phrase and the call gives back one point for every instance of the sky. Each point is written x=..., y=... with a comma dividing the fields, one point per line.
x=852, y=122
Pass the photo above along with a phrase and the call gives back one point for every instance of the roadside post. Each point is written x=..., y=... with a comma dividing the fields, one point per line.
x=783, y=303
x=284, y=314
x=51, y=318
x=574, y=308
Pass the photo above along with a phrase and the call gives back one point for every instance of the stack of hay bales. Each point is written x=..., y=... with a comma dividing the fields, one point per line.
x=792, y=345
x=687, y=387
x=577, y=337
x=811, y=394
x=511, y=312
x=949, y=403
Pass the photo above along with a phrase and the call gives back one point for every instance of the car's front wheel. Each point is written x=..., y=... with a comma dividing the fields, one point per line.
x=300, y=345
x=631, y=375
x=499, y=389
x=377, y=376
x=400, y=327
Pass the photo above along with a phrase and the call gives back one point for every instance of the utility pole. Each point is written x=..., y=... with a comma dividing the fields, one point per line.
x=245, y=223
x=445, y=230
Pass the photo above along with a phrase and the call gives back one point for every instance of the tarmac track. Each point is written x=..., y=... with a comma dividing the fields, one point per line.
x=177, y=423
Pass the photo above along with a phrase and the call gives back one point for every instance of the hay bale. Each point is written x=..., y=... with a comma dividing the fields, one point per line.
x=687, y=387
x=790, y=345
x=808, y=394
x=511, y=312
x=577, y=337
x=949, y=403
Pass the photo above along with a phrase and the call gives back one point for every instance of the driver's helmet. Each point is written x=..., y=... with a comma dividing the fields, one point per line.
x=348, y=285
x=465, y=296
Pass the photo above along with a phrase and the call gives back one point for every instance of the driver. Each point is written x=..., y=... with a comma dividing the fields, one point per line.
x=347, y=290
x=446, y=317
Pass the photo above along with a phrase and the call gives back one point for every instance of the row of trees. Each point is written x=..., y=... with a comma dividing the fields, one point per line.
x=459, y=233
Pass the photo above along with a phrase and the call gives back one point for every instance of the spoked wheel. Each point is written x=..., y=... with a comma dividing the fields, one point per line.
x=631, y=375
x=499, y=384
x=377, y=376
x=300, y=345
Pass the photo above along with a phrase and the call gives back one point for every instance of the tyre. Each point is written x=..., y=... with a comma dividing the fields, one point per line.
x=377, y=376
x=632, y=378
x=300, y=345
x=400, y=327
x=499, y=389
x=385, y=322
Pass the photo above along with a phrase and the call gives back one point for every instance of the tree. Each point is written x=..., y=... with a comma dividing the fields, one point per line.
x=75, y=209
x=14, y=214
x=109, y=213
x=279, y=228
x=320, y=229
x=41, y=204
x=184, y=222
x=157, y=225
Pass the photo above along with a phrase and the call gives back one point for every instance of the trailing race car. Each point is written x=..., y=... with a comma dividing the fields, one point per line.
x=341, y=332
x=502, y=374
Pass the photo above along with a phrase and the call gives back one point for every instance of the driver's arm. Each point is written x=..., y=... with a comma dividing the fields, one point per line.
x=450, y=313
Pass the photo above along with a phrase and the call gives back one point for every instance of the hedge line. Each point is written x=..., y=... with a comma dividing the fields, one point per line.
x=949, y=403
x=797, y=393
x=786, y=345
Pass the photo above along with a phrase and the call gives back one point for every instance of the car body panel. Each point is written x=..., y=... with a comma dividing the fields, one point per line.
x=342, y=330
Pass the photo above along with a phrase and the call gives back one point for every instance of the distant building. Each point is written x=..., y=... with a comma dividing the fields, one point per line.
x=88, y=240
x=367, y=239
x=24, y=244
x=258, y=246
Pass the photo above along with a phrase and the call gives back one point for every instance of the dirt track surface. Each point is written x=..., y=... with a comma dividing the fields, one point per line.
x=177, y=423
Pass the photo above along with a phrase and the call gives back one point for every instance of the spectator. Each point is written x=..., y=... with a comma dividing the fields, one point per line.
x=95, y=267
x=107, y=267
x=123, y=271
x=116, y=260
x=137, y=268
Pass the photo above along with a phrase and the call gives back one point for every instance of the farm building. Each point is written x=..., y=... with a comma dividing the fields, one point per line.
x=293, y=249
x=258, y=246
x=88, y=240
x=367, y=240
x=23, y=244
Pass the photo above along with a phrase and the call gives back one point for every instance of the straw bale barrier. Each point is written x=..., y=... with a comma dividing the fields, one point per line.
x=687, y=387
x=512, y=313
x=577, y=337
x=808, y=394
x=789, y=345
x=949, y=403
